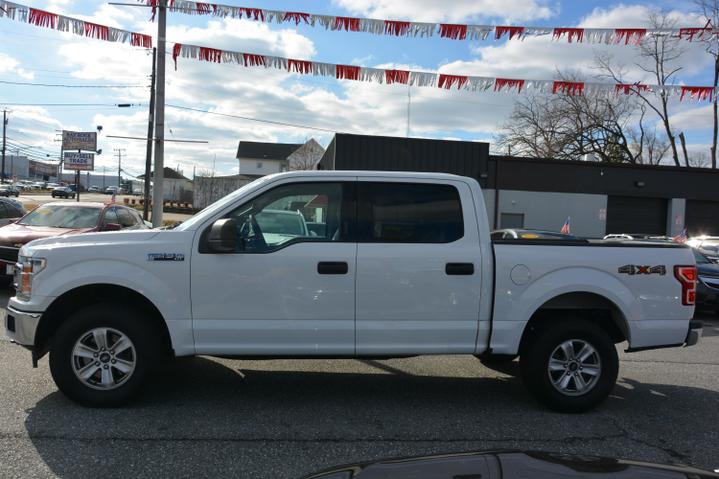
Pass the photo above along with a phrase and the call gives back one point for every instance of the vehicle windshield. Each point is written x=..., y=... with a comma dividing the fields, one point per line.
x=59, y=216
x=277, y=222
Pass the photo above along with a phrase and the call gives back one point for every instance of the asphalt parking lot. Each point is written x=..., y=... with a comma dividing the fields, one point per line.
x=207, y=417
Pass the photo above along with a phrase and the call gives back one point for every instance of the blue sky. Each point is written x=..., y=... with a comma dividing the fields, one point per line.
x=37, y=55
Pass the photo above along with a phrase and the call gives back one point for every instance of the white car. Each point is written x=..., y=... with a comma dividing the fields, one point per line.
x=707, y=245
x=398, y=264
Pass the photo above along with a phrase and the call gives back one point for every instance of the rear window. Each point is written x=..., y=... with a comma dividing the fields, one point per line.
x=409, y=213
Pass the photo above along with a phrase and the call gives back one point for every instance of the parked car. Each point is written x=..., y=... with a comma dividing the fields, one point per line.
x=508, y=464
x=113, y=190
x=60, y=219
x=138, y=192
x=10, y=211
x=53, y=185
x=708, y=284
x=529, y=234
x=405, y=267
x=94, y=189
x=9, y=190
x=62, y=192
x=707, y=245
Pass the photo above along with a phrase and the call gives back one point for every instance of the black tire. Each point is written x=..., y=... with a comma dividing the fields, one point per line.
x=534, y=363
x=129, y=322
x=53, y=195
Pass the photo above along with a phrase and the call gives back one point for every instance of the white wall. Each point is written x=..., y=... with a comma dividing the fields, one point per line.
x=248, y=166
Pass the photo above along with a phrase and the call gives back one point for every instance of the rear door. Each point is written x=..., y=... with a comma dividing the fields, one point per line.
x=418, y=263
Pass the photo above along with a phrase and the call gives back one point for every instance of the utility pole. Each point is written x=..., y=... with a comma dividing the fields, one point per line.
x=119, y=152
x=4, y=139
x=158, y=177
x=150, y=134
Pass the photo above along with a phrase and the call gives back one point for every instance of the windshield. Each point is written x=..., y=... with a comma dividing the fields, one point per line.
x=281, y=223
x=58, y=216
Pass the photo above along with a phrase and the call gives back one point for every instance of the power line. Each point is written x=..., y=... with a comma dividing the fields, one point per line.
x=62, y=85
x=272, y=122
x=113, y=105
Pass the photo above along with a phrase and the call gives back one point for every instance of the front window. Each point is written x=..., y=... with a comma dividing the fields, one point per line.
x=58, y=216
x=290, y=213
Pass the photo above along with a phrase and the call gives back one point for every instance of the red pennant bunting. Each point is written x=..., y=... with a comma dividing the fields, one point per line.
x=176, y=50
x=41, y=18
x=510, y=83
x=690, y=33
x=140, y=40
x=448, y=81
x=203, y=8
x=629, y=88
x=347, y=24
x=572, y=34
x=568, y=87
x=453, y=31
x=210, y=55
x=252, y=60
x=396, y=28
x=512, y=31
x=697, y=92
x=299, y=66
x=347, y=72
x=630, y=35
x=93, y=30
x=396, y=76
x=297, y=17
x=253, y=13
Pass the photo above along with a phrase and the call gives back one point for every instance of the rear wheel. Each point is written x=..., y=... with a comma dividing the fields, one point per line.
x=570, y=366
x=101, y=355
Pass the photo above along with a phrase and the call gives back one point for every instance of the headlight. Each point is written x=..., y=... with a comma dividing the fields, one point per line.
x=25, y=270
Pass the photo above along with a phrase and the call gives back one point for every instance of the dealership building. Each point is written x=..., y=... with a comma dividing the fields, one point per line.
x=599, y=198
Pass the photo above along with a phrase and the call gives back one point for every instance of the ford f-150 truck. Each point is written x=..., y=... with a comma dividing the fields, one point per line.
x=396, y=265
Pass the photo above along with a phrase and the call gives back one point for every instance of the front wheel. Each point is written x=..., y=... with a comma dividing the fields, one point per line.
x=570, y=366
x=101, y=355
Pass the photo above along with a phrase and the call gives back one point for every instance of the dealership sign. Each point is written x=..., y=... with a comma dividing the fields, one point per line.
x=79, y=161
x=79, y=140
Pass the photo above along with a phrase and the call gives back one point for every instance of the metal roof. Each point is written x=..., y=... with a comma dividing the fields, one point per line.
x=266, y=151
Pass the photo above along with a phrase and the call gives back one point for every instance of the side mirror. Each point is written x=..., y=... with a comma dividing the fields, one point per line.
x=223, y=236
x=111, y=227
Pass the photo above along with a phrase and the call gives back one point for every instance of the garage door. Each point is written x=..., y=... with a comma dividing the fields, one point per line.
x=628, y=214
x=702, y=217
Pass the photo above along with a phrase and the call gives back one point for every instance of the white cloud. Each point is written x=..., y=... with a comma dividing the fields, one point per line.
x=8, y=65
x=697, y=118
x=451, y=11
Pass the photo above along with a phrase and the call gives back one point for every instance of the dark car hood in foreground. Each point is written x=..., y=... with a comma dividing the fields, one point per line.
x=708, y=269
x=15, y=234
x=511, y=465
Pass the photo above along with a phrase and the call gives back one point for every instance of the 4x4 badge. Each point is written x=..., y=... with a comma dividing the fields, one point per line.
x=632, y=270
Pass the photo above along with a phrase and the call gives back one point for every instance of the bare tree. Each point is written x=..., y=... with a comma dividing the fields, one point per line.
x=571, y=126
x=710, y=10
x=699, y=160
x=306, y=156
x=659, y=55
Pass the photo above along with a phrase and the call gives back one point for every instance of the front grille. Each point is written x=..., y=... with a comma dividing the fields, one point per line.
x=9, y=254
x=10, y=323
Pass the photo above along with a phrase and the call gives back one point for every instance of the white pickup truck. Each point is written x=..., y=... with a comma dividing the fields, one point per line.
x=386, y=265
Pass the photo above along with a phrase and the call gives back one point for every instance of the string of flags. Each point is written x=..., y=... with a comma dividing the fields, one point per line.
x=54, y=21
x=428, y=79
x=454, y=31
x=44, y=19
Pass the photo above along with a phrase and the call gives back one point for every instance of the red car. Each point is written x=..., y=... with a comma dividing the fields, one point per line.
x=56, y=219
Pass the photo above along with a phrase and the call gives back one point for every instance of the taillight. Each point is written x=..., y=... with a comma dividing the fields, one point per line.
x=687, y=276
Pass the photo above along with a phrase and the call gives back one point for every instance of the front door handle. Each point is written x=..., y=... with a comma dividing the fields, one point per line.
x=332, y=267
x=459, y=269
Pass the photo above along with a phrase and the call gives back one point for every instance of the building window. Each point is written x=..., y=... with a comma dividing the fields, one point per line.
x=259, y=165
x=511, y=220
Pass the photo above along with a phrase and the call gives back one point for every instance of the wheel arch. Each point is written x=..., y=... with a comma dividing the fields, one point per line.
x=586, y=305
x=88, y=295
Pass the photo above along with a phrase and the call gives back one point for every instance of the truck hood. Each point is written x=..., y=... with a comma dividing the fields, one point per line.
x=90, y=239
x=18, y=235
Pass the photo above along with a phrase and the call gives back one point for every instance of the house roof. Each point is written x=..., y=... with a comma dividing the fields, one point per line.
x=170, y=174
x=266, y=151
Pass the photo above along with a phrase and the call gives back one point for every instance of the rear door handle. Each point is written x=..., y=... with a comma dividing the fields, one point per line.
x=332, y=267
x=459, y=269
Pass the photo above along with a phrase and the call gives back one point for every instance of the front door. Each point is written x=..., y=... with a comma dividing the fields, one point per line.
x=418, y=264
x=289, y=289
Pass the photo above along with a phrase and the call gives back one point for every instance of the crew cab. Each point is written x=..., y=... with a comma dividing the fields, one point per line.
x=397, y=264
